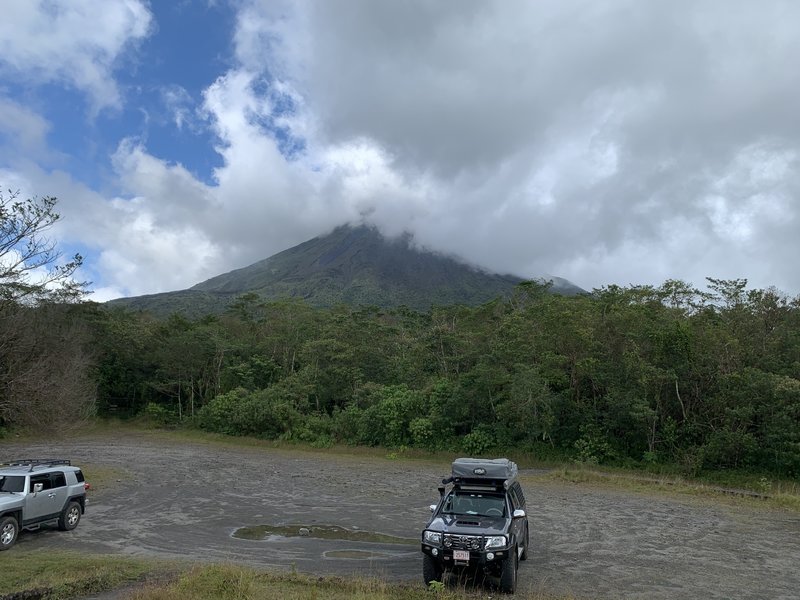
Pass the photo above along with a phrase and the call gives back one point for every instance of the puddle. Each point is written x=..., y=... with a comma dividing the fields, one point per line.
x=324, y=532
x=355, y=554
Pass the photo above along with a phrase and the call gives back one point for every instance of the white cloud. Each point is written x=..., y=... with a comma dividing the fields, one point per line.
x=76, y=43
x=616, y=142
x=26, y=129
x=180, y=105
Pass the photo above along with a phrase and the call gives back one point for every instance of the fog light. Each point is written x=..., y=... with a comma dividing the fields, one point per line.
x=435, y=552
x=490, y=556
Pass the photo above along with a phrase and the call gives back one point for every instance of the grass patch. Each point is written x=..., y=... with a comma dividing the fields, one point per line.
x=69, y=575
x=228, y=582
x=781, y=495
x=59, y=574
x=103, y=477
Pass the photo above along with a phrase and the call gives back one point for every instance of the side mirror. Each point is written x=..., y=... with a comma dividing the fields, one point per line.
x=432, y=507
x=519, y=514
x=37, y=487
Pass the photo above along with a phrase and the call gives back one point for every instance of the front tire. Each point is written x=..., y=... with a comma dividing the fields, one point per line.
x=9, y=530
x=430, y=570
x=508, y=574
x=71, y=516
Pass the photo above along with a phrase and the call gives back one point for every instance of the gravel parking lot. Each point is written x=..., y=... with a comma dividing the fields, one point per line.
x=187, y=499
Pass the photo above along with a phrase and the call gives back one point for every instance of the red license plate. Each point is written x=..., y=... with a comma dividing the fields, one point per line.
x=461, y=555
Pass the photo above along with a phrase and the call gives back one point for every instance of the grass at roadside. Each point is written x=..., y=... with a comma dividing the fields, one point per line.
x=70, y=575
x=58, y=575
x=227, y=582
x=779, y=495
x=103, y=477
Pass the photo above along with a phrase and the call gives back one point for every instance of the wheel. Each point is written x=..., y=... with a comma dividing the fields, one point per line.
x=71, y=516
x=508, y=573
x=9, y=530
x=431, y=571
x=524, y=555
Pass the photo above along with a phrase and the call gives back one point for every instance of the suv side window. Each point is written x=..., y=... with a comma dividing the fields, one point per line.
x=12, y=483
x=58, y=479
x=43, y=479
x=79, y=476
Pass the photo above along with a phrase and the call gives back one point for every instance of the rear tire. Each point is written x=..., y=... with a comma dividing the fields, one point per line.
x=71, y=516
x=9, y=531
x=431, y=571
x=508, y=573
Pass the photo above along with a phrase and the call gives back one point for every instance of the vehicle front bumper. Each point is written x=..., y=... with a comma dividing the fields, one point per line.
x=477, y=558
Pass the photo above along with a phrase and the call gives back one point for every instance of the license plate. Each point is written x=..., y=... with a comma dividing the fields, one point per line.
x=460, y=555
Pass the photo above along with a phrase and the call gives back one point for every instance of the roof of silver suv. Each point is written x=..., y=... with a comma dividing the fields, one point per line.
x=38, y=465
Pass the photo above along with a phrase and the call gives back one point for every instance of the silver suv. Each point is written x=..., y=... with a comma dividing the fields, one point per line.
x=39, y=491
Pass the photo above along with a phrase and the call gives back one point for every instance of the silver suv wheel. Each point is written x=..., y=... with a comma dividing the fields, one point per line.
x=8, y=532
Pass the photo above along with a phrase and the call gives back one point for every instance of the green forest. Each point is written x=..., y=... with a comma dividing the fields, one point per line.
x=704, y=380
x=698, y=379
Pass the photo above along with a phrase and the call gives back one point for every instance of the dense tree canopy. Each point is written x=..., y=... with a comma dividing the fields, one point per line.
x=703, y=379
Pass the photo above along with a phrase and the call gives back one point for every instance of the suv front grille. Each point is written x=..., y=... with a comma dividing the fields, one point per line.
x=464, y=542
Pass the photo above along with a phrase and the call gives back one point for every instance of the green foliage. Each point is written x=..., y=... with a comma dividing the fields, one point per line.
x=270, y=413
x=593, y=446
x=423, y=433
x=479, y=441
x=158, y=414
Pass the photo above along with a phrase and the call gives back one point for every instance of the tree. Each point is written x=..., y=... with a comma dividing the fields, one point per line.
x=30, y=270
x=44, y=368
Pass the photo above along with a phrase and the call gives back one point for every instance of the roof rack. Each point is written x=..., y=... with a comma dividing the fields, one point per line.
x=35, y=462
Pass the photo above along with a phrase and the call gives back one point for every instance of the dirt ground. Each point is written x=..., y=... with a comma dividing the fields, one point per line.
x=185, y=500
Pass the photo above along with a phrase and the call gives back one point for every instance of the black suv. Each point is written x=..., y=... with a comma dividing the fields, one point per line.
x=479, y=524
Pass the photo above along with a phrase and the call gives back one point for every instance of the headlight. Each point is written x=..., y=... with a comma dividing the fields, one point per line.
x=432, y=537
x=496, y=541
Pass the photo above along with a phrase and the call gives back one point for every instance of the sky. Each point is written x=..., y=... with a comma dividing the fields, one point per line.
x=607, y=142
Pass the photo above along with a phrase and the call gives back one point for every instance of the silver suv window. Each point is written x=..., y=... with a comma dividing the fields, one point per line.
x=12, y=483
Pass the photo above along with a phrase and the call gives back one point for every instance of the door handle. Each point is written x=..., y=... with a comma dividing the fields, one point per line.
x=51, y=495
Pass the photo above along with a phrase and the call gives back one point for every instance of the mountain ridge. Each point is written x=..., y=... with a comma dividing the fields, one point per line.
x=351, y=265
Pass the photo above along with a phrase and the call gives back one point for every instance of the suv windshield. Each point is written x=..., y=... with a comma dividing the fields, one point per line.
x=475, y=503
x=12, y=483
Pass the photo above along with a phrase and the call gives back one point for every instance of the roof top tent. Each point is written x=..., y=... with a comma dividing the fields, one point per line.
x=483, y=473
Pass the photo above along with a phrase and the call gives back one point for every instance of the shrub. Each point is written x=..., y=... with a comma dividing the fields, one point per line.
x=479, y=441
x=158, y=414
